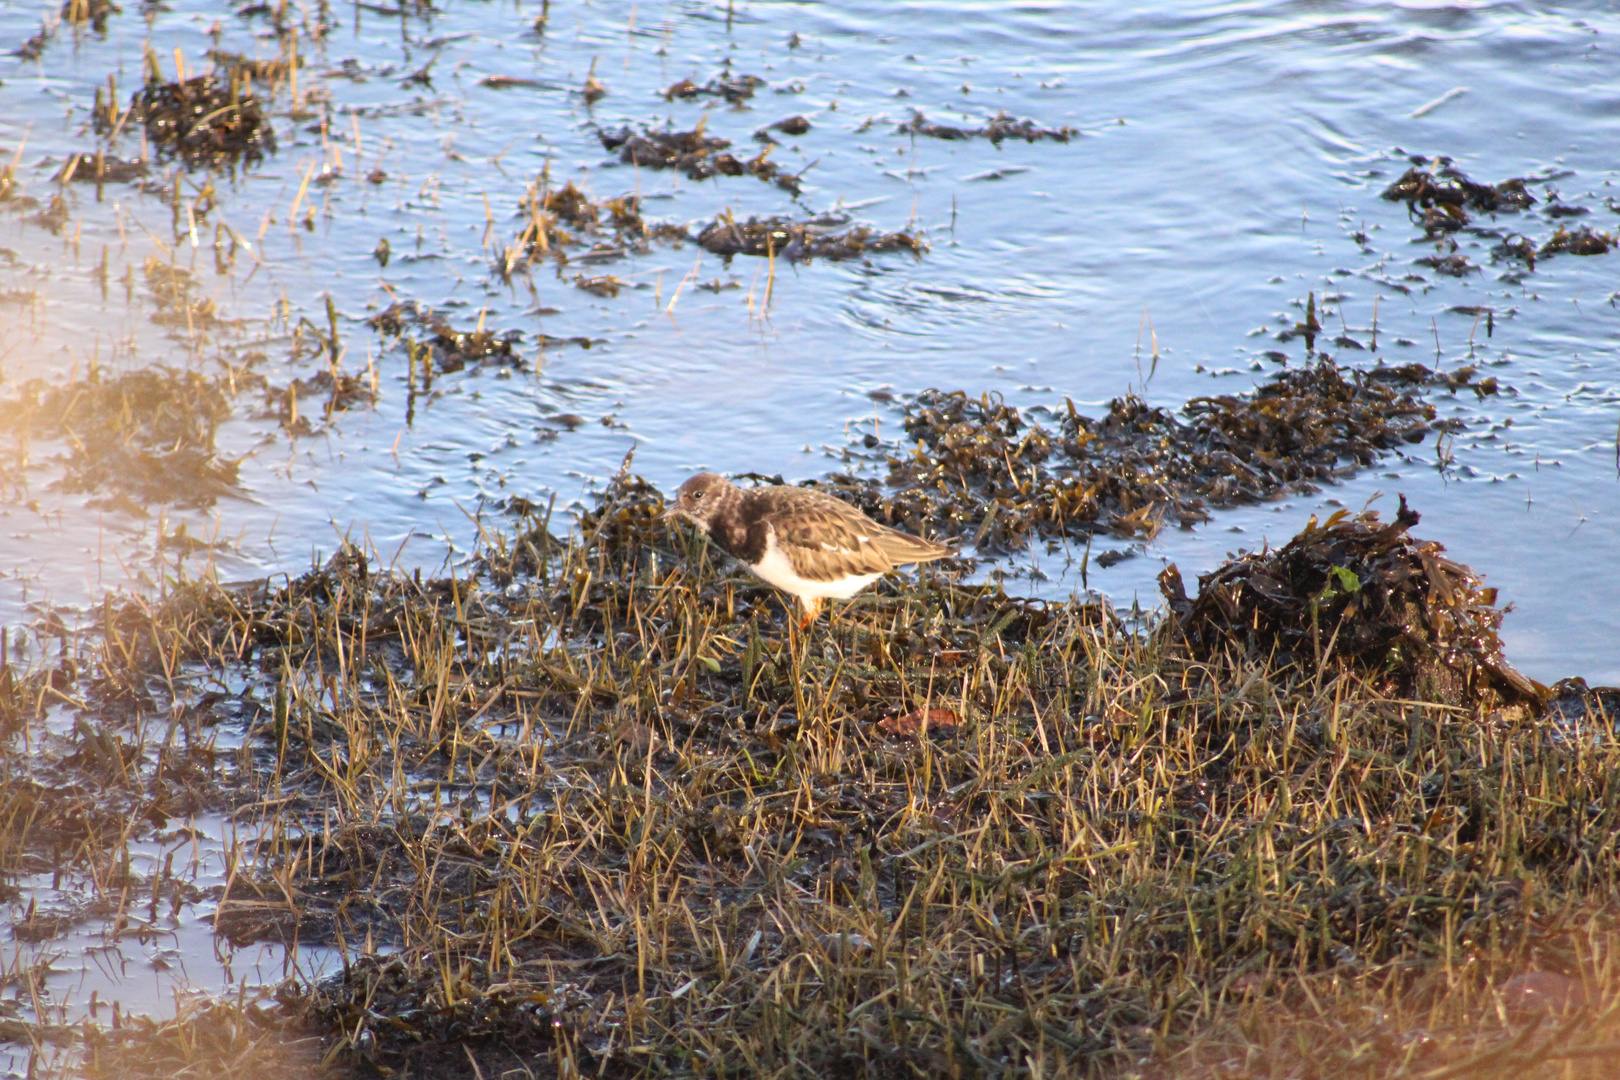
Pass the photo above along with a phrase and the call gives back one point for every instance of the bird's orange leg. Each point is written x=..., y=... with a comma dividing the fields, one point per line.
x=812, y=608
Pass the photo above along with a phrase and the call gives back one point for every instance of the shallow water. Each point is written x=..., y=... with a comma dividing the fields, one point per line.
x=1227, y=155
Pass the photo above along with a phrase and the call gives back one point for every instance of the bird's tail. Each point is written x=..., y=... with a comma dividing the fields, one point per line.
x=904, y=548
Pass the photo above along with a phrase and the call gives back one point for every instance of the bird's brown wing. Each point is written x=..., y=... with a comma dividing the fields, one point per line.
x=826, y=545
x=828, y=539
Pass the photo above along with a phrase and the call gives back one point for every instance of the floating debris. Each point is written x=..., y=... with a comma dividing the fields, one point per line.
x=1583, y=241
x=172, y=289
x=545, y=210
x=698, y=156
x=101, y=168
x=1449, y=265
x=92, y=12
x=335, y=391
x=1353, y=590
x=444, y=349
x=793, y=125
x=666, y=149
x=34, y=47
x=735, y=89
x=53, y=218
x=1000, y=127
x=1439, y=199
x=204, y=120
x=1447, y=186
x=235, y=67
x=593, y=90
x=606, y=285
x=1515, y=246
x=802, y=241
x=454, y=349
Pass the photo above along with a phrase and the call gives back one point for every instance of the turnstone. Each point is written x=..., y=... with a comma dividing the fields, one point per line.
x=805, y=542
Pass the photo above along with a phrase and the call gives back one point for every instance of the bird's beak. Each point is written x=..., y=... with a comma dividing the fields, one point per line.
x=671, y=512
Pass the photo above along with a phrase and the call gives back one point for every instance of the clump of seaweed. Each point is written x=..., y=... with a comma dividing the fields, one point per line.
x=696, y=155
x=1449, y=265
x=776, y=237
x=1439, y=197
x=443, y=349
x=102, y=168
x=614, y=227
x=1447, y=187
x=272, y=71
x=1353, y=590
x=204, y=120
x=335, y=391
x=977, y=467
x=177, y=307
x=792, y=125
x=1583, y=241
x=1000, y=127
x=735, y=89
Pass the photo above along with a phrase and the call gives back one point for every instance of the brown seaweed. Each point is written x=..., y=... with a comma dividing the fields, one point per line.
x=802, y=241
x=1000, y=127
x=1446, y=186
x=735, y=89
x=1583, y=241
x=1353, y=590
x=204, y=120
x=696, y=155
x=977, y=467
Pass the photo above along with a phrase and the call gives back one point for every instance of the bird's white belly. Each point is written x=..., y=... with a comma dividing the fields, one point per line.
x=776, y=569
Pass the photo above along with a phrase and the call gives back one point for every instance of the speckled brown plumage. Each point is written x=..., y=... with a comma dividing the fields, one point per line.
x=803, y=541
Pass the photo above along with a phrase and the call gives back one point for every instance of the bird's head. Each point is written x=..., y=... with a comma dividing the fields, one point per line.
x=699, y=499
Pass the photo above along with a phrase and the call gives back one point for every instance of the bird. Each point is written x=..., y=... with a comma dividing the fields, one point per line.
x=807, y=543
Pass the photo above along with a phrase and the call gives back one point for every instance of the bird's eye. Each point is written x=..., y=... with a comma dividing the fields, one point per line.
x=696, y=495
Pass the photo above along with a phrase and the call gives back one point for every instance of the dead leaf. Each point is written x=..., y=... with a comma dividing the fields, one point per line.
x=917, y=721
